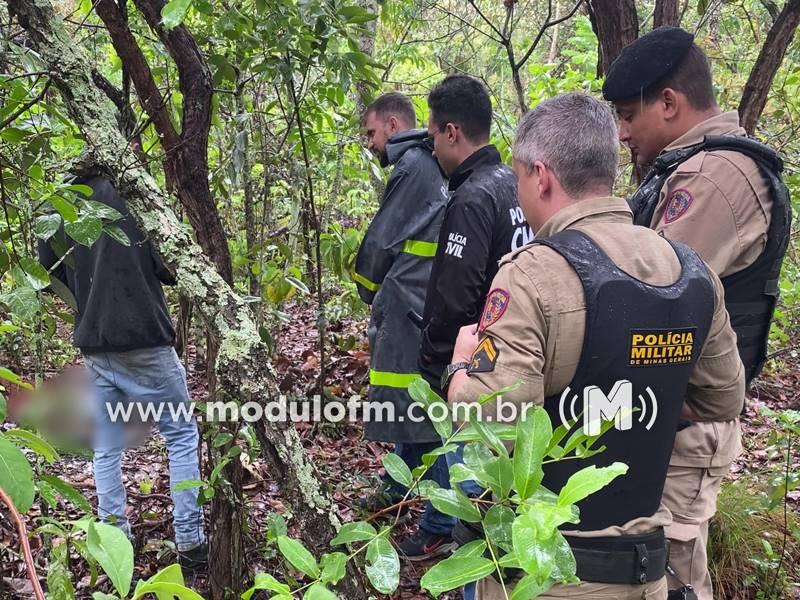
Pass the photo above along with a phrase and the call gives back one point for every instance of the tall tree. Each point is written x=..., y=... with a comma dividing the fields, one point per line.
x=616, y=24
x=666, y=13
x=756, y=90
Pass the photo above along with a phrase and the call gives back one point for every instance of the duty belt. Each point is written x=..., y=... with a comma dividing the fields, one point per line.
x=625, y=559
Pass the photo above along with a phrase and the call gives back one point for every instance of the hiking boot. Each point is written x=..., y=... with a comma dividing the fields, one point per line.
x=385, y=496
x=423, y=545
x=195, y=559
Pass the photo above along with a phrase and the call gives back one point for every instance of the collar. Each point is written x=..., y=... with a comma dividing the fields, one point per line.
x=487, y=155
x=399, y=143
x=726, y=123
x=595, y=210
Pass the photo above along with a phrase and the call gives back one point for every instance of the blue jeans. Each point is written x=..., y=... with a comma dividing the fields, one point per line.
x=432, y=521
x=152, y=378
x=469, y=591
x=470, y=488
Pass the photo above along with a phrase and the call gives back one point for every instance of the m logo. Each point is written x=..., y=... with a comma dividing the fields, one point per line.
x=618, y=405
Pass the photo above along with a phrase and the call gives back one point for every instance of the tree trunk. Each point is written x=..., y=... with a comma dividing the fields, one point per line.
x=243, y=368
x=666, y=13
x=616, y=24
x=756, y=90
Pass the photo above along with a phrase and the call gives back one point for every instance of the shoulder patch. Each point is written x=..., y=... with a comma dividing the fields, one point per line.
x=496, y=304
x=678, y=203
x=485, y=357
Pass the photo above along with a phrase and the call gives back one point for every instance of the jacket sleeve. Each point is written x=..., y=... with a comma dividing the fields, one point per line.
x=716, y=388
x=47, y=258
x=394, y=223
x=162, y=272
x=455, y=298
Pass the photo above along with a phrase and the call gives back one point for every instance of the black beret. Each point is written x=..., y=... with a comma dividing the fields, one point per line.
x=646, y=61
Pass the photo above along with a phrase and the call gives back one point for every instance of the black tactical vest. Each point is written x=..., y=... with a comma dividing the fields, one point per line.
x=650, y=336
x=750, y=294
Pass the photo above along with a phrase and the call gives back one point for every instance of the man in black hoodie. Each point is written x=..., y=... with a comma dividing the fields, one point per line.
x=124, y=332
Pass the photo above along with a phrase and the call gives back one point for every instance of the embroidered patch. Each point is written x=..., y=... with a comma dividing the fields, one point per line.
x=657, y=347
x=485, y=357
x=678, y=203
x=496, y=305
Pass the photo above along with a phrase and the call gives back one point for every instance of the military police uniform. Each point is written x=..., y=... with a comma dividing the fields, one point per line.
x=562, y=313
x=719, y=192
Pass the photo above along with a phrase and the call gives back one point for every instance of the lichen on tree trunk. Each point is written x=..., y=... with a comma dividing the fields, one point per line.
x=243, y=365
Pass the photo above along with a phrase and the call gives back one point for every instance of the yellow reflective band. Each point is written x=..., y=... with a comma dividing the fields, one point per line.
x=395, y=380
x=370, y=285
x=419, y=248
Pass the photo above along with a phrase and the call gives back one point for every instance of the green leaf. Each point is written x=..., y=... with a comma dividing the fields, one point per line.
x=298, y=556
x=319, y=592
x=167, y=591
x=533, y=438
x=499, y=474
x=529, y=587
x=383, y=565
x=68, y=492
x=473, y=548
x=356, y=14
x=534, y=549
x=486, y=431
x=497, y=525
x=33, y=442
x=65, y=208
x=453, y=572
x=116, y=233
x=3, y=408
x=397, y=469
x=79, y=188
x=103, y=596
x=276, y=526
x=35, y=274
x=333, y=566
x=421, y=392
x=100, y=210
x=12, y=377
x=46, y=226
x=174, y=12
x=454, y=503
x=588, y=481
x=188, y=484
x=22, y=302
x=85, y=230
x=357, y=531
x=113, y=551
x=16, y=476
x=265, y=581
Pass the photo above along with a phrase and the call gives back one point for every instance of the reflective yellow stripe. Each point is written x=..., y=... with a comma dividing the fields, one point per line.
x=395, y=380
x=370, y=285
x=420, y=248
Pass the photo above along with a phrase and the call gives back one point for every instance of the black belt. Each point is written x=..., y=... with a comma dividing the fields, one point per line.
x=626, y=559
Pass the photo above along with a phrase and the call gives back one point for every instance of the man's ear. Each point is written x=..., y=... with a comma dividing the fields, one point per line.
x=671, y=102
x=544, y=178
x=394, y=124
x=452, y=133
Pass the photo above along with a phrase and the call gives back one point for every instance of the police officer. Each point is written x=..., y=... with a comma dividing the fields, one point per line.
x=590, y=303
x=392, y=270
x=482, y=222
x=720, y=192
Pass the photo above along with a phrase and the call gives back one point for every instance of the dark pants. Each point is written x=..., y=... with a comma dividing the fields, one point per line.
x=432, y=520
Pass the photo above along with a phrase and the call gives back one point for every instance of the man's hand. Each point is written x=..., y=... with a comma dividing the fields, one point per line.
x=466, y=342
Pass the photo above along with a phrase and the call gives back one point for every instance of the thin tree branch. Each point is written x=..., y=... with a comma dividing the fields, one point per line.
x=548, y=23
x=12, y=117
x=25, y=547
